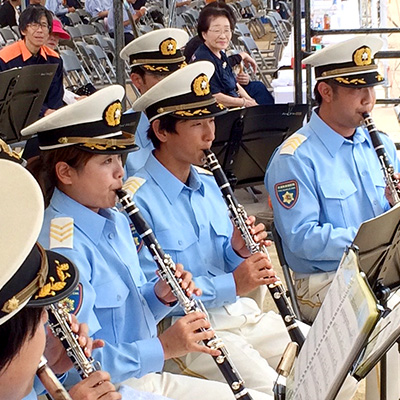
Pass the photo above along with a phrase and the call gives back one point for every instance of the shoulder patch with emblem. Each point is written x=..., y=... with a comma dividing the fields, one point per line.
x=132, y=184
x=73, y=303
x=201, y=170
x=287, y=193
x=62, y=233
x=292, y=143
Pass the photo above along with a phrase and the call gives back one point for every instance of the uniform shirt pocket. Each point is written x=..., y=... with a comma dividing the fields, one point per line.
x=177, y=243
x=338, y=201
x=110, y=305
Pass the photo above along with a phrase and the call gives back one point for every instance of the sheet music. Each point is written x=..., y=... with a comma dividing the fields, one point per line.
x=337, y=336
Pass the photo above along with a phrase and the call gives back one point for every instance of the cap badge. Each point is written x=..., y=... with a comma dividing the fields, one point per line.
x=362, y=56
x=112, y=114
x=168, y=47
x=201, y=86
x=52, y=287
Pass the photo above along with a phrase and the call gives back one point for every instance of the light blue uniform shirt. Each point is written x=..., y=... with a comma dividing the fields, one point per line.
x=56, y=6
x=115, y=299
x=111, y=21
x=137, y=159
x=191, y=223
x=31, y=396
x=94, y=7
x=339, y=185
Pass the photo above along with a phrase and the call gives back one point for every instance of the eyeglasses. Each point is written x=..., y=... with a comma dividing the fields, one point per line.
x=36, y=25
x=219, y=32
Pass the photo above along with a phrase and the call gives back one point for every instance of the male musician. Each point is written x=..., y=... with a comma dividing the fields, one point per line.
x=81, y=159
x=35, y=24
x=31, y=278
x=184, y=207
x=151, y=57
x=325, y=180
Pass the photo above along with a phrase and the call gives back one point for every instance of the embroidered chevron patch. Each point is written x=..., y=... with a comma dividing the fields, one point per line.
x=62, y=232
x=132, y=184
x=291, y=144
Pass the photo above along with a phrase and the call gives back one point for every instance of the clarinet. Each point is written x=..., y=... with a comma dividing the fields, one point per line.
x=60, y=326
x=49, y=380
x=239, y=216
x=167, y=269
x=387, y=167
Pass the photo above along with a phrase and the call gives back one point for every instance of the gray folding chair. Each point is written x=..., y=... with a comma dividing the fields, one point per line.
x=8, y=35
x=74, y=18
x=103, y=63
x=75, y=75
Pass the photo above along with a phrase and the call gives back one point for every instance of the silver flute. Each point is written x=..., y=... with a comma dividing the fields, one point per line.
x=167, y=270
x=386, y=165
x=239, y=216
x=51, y=383
x=59, y=322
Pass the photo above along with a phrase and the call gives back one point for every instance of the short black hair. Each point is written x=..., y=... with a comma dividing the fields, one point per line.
x=167, y=123
x=214, y=10
x=16, y=331
x=34, y=14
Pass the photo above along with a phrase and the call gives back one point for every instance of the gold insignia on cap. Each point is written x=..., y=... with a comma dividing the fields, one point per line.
x=183, y=65
x=201, y=85
x=188, y=113
x=162, y=68
x=168, y=47
x=10, y=305
x=362, y=56
x=52, y=287
x=354, y=81
x=112, y=114
x=6, y=148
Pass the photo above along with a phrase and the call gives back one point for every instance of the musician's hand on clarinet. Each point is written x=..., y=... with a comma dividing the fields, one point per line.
x=257, y=231
x=185, y=336
x=252, y=273
x=388, y=193
x=95, y=387
x=57, y=358
x=163, y=291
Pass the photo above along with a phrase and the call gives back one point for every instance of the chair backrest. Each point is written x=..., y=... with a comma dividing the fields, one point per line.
x=291, y=287
x=70, y=61
x=16, y=31
x=243, y=29
x=74, y=18
x=86, y=30
x=74, y=32
x=8, y=35
x=97, y=52
x=99, y=26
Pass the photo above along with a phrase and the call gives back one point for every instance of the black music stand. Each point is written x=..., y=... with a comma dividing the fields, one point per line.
x=22, y=93
x=246, y=139
x=378, y=242
x=379, y=253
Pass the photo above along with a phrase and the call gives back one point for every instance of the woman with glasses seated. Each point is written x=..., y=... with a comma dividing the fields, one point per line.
x=35, y=26
x=215, y=26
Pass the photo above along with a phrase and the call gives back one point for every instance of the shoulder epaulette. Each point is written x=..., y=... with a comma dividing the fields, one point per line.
x=292, y=144
x=62, y=233
x=10, y=52
x=50, y=52
x=203, y=171
x=132, y=184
